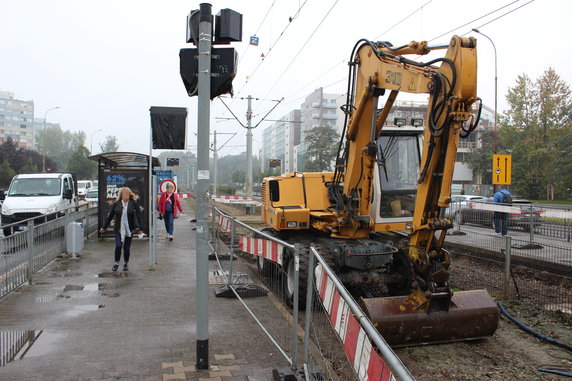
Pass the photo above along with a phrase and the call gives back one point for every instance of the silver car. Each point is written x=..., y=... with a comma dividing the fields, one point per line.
x=458, y=202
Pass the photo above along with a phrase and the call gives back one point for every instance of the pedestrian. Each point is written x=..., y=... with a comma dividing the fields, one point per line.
x=126, y=215
x=500, y=219
x=168, y=205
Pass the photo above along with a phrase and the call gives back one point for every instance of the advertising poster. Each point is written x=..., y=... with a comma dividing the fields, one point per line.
x=114, y=179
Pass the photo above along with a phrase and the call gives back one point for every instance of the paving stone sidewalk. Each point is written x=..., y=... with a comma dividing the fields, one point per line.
x=87, y=323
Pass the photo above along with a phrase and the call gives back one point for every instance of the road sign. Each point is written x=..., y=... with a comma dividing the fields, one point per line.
x=502, y=169
x=163, y=185
x=274, y=163
x=172, y=162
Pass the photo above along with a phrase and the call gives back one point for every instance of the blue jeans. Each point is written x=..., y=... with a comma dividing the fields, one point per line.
x=169, y=218
x=500, y=220
x=126, y=246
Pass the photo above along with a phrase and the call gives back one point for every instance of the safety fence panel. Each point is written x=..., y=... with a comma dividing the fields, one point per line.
x=260, y=270
x=270, y=250
x=532, y=263
x=40, y=242
x=339, y=338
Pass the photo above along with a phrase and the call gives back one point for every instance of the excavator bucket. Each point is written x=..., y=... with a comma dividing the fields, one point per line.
x=406, y=320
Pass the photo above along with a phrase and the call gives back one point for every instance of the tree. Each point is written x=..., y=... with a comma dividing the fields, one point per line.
x=29, y=167
x=81, y=165
x=321, y=148
x=110, y=144
x=539, y=118
x=480, y=159
x=59, y=144
x=239, y=177
x=6, y=174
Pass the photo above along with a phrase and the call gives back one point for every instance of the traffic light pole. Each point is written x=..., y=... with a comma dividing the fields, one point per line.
x=203, y=182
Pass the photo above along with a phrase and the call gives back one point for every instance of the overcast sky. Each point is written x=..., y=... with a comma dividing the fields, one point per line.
x=106, y=62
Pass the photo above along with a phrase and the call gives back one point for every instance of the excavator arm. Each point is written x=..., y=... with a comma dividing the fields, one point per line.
x=451, y=84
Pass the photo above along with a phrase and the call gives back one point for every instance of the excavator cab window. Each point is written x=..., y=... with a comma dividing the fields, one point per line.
x=398, y=158
x=274, y=190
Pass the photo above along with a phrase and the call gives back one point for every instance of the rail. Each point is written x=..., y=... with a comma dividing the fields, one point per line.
x=25, y=252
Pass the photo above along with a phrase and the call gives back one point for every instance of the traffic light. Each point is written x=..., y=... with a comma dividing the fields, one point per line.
x=223, y=69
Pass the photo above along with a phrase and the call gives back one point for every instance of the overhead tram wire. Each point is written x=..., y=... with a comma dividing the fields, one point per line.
x=343, y=60
x=403, y=19
x=272, y=47
x=259, y=26
x=501, y=16
x=477, y=19
x=302, y=48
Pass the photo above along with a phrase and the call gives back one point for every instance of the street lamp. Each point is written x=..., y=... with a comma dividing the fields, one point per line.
x=91, y=141
x=496, y=82
x=45, y=123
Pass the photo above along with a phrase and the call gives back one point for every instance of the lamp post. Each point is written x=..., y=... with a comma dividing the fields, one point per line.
x=496, y=83
x=91, y=141
x=45, y=123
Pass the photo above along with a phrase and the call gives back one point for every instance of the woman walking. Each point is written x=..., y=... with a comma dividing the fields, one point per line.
x=168, y=205
x=125, y=213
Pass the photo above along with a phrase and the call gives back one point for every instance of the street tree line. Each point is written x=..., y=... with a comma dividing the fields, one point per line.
x=64, y=151
x=537, y=131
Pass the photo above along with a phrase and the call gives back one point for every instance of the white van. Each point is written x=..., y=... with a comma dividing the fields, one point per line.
x=83, y=186
x=38, y=195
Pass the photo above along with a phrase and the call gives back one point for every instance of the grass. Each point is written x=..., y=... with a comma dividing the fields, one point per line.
x=556, y=202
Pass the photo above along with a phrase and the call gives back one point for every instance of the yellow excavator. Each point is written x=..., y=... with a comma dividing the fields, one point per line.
x=378, y=219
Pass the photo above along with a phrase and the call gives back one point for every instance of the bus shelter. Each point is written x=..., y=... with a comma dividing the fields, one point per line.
x=123, y=169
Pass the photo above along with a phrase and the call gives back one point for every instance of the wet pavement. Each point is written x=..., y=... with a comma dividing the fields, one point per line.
x=80, y=321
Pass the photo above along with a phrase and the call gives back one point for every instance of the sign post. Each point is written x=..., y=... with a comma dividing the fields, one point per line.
x=502, y=169
x=203, y=182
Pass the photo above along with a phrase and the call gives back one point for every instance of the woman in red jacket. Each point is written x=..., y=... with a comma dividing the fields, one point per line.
x=168, y=205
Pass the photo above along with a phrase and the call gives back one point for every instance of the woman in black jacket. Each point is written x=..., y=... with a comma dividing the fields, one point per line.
x=126, y=216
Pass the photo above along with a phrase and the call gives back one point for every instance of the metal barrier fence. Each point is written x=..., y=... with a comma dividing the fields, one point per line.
x=27, y=251
x=523, y=218
x=339, y=341
x=528, y=264
x=339, y=338
x=253, y=263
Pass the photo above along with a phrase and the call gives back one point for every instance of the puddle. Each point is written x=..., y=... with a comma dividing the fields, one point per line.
x=45, y=298
x=118, y=274
x=93, y=287
x=81, y=309
x=71, y=287
x=16, y=345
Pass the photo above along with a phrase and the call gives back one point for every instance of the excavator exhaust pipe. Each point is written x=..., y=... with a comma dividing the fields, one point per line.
x=406, y=320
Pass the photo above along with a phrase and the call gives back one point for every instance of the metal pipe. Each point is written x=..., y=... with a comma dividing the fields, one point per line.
x=232, y=238
x=30, y=236
x=150, y=201
x=392, y=361
x=294, y=343
x=44, y=137
x=309, y=301
x=507, y=259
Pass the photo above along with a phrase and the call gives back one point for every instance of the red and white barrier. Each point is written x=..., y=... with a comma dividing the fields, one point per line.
x=367, y=363
x=241, y=198
x=185, y=195
x=270, y=250
x=236, y=199
x=225, y=223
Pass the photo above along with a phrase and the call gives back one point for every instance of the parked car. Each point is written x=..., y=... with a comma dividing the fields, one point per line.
x=527, y=215
x=458, y=202
x=37, y=195
x=92, y=195
x=83, y=186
